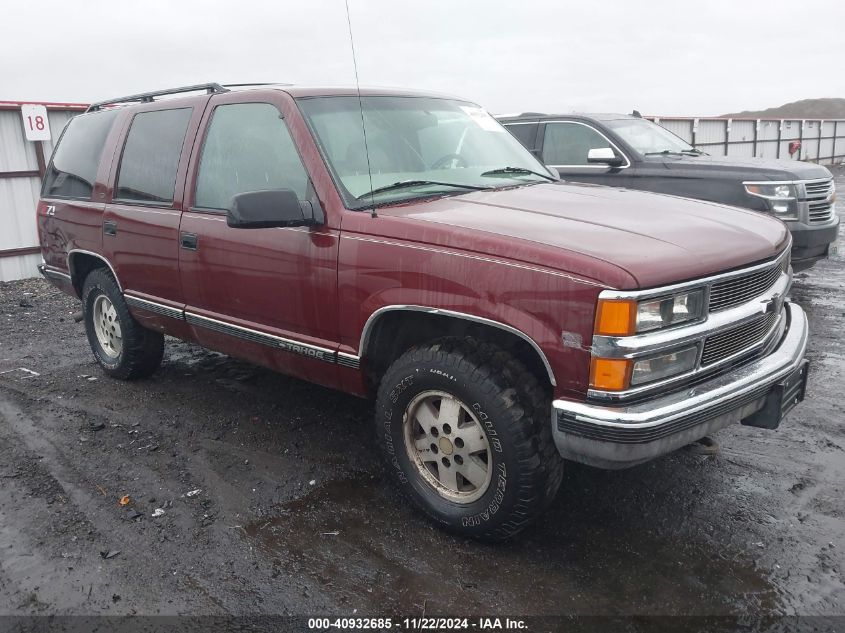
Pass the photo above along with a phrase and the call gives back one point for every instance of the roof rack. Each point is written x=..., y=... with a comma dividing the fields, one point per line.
x=147, y=97
x=253, y=83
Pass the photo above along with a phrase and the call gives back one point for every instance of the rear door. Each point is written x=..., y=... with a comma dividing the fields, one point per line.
x=564, y=145
x=73, y=195
x=141, y=222
x=268, y=295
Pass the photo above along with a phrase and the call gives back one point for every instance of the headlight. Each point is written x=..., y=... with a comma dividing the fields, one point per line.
x=661, y=313
x=663, y=366
x=782, y=198
x=627, y=317
x=618, y=374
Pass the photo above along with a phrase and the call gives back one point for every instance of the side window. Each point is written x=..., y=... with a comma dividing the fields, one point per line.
x=525, y=133
x=73, y=168
x=569, y=143
x=151, y=156
x=247, y=148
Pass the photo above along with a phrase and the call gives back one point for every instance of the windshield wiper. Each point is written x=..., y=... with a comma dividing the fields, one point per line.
x=403, y=184
x=670, y=152
x=517, y=170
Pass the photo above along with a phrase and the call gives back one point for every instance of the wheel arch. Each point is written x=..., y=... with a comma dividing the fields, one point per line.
x=382, y=340
x=80, y=263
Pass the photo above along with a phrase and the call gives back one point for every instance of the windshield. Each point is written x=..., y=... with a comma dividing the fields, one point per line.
x=647, y=137
x=417, y=146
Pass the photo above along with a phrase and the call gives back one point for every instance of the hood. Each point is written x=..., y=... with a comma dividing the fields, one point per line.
x=745, y=168
x=657, y=239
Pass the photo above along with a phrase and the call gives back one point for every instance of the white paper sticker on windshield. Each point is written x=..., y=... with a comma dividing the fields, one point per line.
x=483, y=119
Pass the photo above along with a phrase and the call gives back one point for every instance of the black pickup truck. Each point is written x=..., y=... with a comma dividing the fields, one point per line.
x=629, y=151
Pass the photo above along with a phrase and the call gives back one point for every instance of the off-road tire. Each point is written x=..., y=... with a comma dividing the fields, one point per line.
x=142, y=349
x=527, y=468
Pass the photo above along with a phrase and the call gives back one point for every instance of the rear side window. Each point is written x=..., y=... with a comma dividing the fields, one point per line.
x=248, y=148
x=74, y=166
x=151, y=156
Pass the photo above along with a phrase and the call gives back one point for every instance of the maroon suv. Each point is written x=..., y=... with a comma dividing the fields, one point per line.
x=502, y=322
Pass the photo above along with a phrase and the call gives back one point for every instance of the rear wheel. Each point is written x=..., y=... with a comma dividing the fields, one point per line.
x=121, y=346
x=466, y=431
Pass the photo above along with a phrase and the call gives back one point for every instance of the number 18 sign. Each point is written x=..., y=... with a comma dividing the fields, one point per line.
x=35, y=122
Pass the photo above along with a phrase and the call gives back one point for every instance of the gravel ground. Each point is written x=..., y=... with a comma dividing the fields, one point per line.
x=293, y=517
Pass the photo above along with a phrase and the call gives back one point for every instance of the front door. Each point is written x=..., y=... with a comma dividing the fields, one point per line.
x=565, y=145
x=267, y=295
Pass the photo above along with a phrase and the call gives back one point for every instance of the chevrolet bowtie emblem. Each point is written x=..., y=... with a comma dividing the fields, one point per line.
x=773, y=304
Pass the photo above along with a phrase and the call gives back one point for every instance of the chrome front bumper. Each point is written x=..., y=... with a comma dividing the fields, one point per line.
x=621, y=436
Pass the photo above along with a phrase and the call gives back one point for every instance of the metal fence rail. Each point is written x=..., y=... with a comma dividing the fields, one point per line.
x=821, y=140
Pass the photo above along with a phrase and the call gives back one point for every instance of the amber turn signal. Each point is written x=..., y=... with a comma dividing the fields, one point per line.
x=610, y=374
x=616, y=317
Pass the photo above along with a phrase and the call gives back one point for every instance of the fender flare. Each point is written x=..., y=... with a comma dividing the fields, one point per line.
x=92, y=254
x=373, y=318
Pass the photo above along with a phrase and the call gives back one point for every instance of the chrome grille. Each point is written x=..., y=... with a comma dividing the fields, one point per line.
x=819, y=200
x=736, y=290
x=725, y=344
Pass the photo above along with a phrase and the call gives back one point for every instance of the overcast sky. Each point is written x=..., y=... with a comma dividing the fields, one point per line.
x=665, y=57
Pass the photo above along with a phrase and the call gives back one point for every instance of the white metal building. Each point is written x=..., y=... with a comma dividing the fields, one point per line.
x=22, y=165
x=815, y=140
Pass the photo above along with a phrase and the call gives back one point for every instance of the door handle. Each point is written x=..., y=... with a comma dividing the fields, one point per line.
x=188, y=241
x=109, y=227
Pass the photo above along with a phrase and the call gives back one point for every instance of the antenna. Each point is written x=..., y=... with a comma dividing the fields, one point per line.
x=361, y=107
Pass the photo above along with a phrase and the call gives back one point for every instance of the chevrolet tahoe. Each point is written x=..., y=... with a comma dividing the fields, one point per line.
x=501, y=322
x=628, y=151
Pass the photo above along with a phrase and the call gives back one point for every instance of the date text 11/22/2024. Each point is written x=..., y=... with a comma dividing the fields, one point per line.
x=417, y=624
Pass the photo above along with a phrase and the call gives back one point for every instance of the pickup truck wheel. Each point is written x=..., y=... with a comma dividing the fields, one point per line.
x=466, y=431
x=121, y=346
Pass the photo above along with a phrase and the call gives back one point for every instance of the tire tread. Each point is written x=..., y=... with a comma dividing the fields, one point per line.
x=526, y=402
x=143, y=349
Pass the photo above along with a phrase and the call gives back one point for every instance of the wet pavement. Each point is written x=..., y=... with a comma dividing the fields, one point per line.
x=293, y=516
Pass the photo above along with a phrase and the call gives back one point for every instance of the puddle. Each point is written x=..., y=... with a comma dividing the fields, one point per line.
x=356, y=540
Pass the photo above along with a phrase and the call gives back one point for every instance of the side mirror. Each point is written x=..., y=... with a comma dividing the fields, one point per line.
x=269, y=209
x=604, y=155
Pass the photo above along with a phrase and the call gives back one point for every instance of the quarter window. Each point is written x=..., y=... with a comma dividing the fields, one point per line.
x=569, y=143
x=151, y=156
x=247, y=148
x=73, y=170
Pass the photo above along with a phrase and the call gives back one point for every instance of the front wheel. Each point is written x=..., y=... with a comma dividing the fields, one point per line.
x=121, y=346
x=466, y=431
